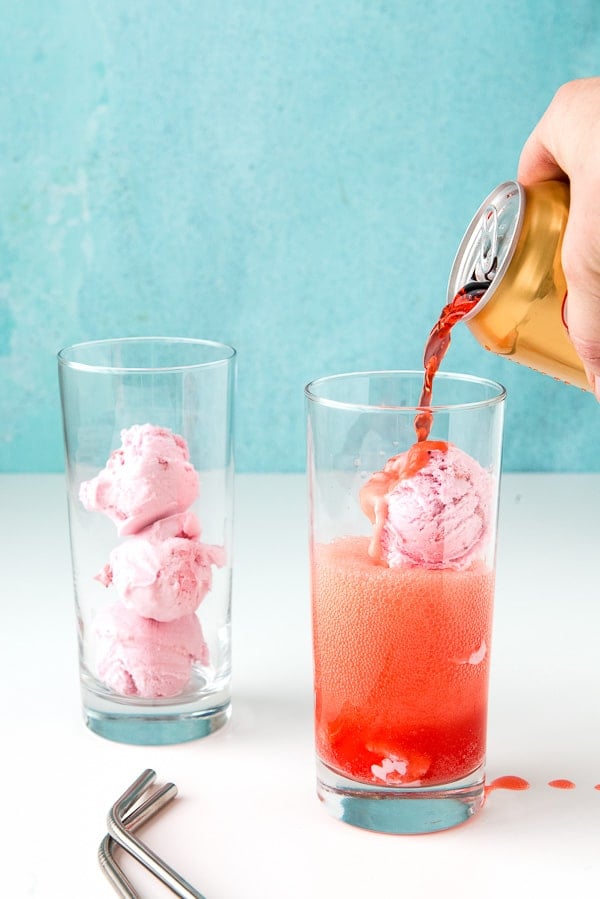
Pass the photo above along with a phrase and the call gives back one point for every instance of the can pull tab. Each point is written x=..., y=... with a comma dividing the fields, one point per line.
x=488, y=247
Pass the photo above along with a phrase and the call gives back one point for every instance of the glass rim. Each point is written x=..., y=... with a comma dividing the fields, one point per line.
x=498, y=397
x=229, y=353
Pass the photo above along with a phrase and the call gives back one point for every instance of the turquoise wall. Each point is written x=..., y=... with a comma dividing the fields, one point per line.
x=289, y=177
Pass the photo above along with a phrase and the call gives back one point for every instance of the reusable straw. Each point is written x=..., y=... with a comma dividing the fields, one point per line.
x=118, y=831
x=132, y=821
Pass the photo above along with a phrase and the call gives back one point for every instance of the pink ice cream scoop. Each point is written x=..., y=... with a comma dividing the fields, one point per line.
x=163, y=572
x=431, y=509
x=141, y=657
x=147, y=478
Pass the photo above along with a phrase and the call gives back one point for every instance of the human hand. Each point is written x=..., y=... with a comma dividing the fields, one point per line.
x=565, y=145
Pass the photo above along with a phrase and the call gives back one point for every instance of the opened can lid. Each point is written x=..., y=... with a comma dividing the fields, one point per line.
x=488, y=245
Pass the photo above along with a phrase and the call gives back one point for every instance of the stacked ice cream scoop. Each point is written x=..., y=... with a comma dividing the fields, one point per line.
x=149, y=639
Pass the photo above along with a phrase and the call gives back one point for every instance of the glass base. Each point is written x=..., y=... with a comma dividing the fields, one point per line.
x=155, y=727
x=400, y=810
x=193, y=714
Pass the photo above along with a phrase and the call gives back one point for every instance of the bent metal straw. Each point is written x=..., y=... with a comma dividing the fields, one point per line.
x=117, y=829
x=132, y=821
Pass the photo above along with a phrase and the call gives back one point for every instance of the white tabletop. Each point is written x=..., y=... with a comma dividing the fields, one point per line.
x=247, y=823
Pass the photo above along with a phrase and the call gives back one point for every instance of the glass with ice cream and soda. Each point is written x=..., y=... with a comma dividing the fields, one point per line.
x=148, y=444
x=403, y=539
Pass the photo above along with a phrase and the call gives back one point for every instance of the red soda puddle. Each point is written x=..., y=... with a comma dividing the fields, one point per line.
x=561, y=784
x=507, y=782
x=437, y=346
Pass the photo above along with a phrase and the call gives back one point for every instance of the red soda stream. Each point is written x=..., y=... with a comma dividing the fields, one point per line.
x=437, y=347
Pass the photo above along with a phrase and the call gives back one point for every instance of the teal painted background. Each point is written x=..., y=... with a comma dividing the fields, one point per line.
x=289, y=177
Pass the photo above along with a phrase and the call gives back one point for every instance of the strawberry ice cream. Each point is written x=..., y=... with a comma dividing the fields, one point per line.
x=149, y=477
x=148, y=642
x=164, y=571
x=430, y=508
x=138, y=656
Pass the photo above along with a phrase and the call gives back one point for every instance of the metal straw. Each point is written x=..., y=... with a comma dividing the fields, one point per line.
x=132, y=821
x=118, y=831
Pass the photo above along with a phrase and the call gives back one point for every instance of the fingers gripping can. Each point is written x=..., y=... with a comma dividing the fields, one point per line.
x=514, y=245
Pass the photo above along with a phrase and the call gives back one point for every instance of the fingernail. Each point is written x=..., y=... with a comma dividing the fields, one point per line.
x=597, y=386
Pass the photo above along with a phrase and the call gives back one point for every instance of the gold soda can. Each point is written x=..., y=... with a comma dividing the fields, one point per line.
x=514, y=244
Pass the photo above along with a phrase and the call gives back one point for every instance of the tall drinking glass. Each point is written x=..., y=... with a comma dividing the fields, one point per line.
x=403, y=536
x=148, y=440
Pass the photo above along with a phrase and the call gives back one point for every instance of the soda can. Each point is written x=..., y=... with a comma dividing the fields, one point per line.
x=514, y=245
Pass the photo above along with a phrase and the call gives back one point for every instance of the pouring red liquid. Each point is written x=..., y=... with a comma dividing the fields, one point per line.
x=437, y=346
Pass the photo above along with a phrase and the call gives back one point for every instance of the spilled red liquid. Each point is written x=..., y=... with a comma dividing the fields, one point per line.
x=507, y=782
x=512, y=782
x=437, y=346
x=561, y=784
